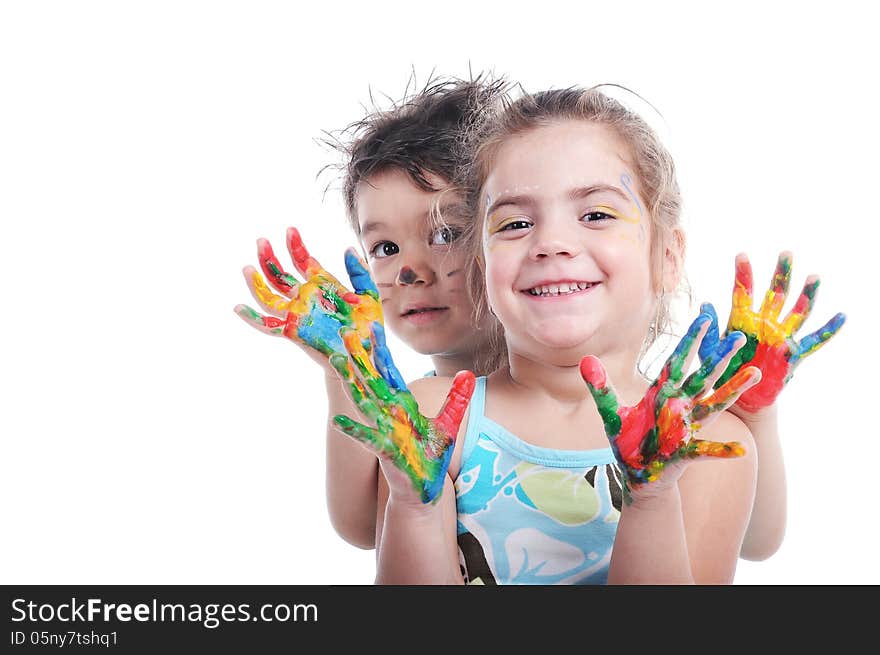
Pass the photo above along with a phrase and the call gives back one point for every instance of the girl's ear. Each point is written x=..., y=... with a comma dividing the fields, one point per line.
x=673, y=260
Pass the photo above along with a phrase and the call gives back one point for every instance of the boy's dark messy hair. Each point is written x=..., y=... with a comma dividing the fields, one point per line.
x=419, y=134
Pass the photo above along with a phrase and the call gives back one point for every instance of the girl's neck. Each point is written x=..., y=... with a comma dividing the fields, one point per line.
x=448, y=364
x=565, y=384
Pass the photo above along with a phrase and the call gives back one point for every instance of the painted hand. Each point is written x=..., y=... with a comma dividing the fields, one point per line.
x=659, y=430
x=417, y=446
x=312, y=312
x=770, y=342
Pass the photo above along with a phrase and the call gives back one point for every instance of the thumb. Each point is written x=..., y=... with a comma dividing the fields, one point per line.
x=456, y=404
x=361, y=281
x=596, y=378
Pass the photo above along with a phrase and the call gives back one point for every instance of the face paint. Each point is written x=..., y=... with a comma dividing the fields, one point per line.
x=660, y=429
x=407, y=276
x=771, y=345
x=626, y=181
x=418, y=446
x=315, y=310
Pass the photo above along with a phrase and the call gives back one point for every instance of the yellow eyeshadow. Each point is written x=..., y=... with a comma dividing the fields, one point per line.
x=496, y=225
x=617, y=214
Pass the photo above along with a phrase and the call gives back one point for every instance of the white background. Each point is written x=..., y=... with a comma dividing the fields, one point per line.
x=150, y=436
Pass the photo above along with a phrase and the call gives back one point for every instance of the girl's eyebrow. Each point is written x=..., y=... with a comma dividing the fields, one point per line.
x=582, y=192
x=521, y=200
x=578, y=193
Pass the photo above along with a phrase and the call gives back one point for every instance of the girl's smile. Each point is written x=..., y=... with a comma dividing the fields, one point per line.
x=567, y=254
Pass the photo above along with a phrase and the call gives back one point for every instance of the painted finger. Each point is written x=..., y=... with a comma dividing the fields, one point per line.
x=307, y=265
x=815, y=340
x=725, y=395
x=802, y=307
x=359, y=274
x=456, y=404
x=367, y=436
x=742, y=286
x=702, y=448
x=281, y=281
x=383, y=360
x=358, y=353
x=710, y=340
x=714, y=365
x=603, y=394
x=270, y=301
x=681, y=357
x=359, y=395
x=265, y=324
x=774, y=299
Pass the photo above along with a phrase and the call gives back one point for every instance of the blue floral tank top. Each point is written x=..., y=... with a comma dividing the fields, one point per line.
x=533, y=515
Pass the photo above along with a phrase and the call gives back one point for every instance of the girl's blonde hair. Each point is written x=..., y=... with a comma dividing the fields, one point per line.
x=653, y=166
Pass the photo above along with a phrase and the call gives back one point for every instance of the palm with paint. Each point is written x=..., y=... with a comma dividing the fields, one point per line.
x=770, y=345
x=659, y=430
x=417, y=446
x=337, y=324
x=311, y=313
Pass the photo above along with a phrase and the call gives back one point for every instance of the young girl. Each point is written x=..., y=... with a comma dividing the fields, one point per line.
x=578, y=239
x=397, y=176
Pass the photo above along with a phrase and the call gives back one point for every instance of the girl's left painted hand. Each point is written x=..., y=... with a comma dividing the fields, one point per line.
x=413, y=450
x=658, y=432
x=771, y=345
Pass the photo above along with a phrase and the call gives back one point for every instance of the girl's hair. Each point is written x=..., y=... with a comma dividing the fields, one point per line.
x=653, y=163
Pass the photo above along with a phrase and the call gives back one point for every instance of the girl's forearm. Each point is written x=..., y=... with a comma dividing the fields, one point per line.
x=767, y=522
x=351, y=474
x=651, y=546
x=414, y=546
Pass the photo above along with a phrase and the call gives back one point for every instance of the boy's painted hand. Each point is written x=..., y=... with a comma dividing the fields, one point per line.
x=770, y=345
x=312, y=312
x=417, y=446
x=659, y=430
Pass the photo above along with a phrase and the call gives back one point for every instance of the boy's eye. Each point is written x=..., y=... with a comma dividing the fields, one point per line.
x=594, y=216
x=384, y=249
x=444, y=235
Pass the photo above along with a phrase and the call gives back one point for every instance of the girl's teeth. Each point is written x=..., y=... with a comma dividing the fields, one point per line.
x=559, y=289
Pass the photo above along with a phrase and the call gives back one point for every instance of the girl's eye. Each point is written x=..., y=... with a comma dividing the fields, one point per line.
x=516, y=224
x=384, y=249
x=594, y=216
x=444, y=235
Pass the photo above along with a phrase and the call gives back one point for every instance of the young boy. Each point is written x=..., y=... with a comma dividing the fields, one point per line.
x=407, y=216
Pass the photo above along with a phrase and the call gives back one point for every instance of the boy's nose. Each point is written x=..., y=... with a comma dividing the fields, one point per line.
x=408, y=276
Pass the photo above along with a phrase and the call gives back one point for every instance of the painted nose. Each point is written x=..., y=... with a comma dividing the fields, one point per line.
x=408, y=276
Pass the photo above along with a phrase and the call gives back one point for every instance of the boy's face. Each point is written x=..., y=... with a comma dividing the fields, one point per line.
x=418, y=269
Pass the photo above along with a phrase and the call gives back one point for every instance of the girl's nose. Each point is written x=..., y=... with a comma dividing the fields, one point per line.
x=553, y=239
x=410, y=275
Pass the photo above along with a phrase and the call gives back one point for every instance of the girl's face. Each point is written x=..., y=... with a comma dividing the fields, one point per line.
x=566, y=242
x=416, y=266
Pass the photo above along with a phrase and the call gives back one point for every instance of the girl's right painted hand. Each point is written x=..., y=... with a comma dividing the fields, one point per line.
x=656, y=436
x=311, y=313
x=414, y=451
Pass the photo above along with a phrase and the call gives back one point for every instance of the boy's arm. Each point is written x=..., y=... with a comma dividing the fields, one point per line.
x=351, y=474
x=767, y=523
x=717, y=499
